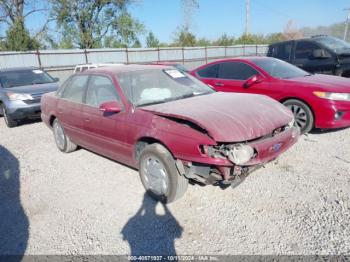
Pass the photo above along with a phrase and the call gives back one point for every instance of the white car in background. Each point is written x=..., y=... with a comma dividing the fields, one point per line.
x=82, y=68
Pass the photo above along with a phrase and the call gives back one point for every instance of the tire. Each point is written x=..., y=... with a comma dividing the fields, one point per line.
x=9, y=121
x=303, y=115
x=62, y=141
x=157, y=158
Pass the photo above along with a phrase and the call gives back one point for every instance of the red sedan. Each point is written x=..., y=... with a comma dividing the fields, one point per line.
x=168, y=125
x=320, y=101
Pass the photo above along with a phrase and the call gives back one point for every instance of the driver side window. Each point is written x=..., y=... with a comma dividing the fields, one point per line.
x=101, y=90
x=236, y=71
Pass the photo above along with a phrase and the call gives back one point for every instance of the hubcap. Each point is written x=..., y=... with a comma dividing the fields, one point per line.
x=155, y=175
x=299, y=115
x=59, y=136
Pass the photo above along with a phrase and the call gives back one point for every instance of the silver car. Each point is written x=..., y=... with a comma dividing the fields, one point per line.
x=20, y=93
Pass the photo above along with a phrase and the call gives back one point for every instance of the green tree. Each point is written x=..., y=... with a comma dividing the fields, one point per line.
x=96, y=23
x=250, y=39
x=274, y=37
x=184, y=38
x=203, y=42
x=12, y=19
x=151, y=40
x=18, y=38
x=224, y=40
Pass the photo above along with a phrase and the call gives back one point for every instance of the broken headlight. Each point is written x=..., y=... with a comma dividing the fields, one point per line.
x=240, y=154
x=291, y=123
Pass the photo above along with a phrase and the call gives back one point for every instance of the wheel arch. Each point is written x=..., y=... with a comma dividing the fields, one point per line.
x=142, y=142
x=52, y=118
x=346, y=73
x=301, y=100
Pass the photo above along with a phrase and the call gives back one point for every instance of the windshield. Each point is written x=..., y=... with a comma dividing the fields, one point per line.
x=335, y=44
x=154, y=86
x=279, y=69
x=24, y=77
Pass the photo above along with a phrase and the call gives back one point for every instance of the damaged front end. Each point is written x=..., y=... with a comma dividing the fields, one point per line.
x=240, y=158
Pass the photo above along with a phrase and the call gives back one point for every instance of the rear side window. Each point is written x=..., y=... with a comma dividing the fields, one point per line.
x=281, y=51
x=304, y=49
x=101, y=90
x=210, y=71
x=75, y=89
x=236, y=71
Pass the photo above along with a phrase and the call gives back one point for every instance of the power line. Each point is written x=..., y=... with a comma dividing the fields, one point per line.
x=282, y=14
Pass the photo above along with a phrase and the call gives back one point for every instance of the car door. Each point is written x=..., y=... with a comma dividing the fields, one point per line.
x=303, y=58
x=69, y=106
x=105, y=133
x=232, y=76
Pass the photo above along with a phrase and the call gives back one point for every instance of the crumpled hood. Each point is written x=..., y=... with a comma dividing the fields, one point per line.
x=327, y=83
x=228, y=117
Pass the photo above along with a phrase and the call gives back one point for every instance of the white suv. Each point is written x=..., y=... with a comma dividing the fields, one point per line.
x=81, y=68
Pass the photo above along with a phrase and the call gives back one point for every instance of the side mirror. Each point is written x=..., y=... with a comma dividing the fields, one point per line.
x=110, y=107
x=255, y=79
x=320, y=54
x=56, y=79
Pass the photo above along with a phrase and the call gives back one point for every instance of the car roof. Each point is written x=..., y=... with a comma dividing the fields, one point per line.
x=126, y=68
x=311, y=39
x=12, y=69
x=243, y=58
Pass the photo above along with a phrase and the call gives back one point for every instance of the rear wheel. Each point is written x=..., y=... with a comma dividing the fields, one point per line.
x=9, y=121
x=63, y=142
x=304, y=119
x=159, y=174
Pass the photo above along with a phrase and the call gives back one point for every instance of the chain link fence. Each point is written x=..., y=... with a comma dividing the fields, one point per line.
x=60, y=63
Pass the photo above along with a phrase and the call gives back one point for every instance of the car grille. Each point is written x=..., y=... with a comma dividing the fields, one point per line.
x=34, y=101
x=36, y=98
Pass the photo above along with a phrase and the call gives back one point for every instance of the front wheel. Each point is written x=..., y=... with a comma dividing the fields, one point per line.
x=304, y=119
x=159, y=174
x=9, y=121
x=63, y=142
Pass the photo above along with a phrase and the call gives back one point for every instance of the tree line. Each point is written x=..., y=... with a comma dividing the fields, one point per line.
x=87, y=24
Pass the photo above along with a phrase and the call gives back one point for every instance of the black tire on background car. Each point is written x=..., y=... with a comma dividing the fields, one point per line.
x=303, y=115
x=159, y=174
x=8, y=119
x=63, y=142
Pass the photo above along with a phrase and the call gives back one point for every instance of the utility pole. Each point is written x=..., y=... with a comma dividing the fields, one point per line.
x=346, y=23
x=247, y=14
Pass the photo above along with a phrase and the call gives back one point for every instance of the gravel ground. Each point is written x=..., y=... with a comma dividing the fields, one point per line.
x=82, y=203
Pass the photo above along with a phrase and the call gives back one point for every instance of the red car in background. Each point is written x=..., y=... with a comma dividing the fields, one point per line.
x=176, y=65
x=169, y=125
x=320, y=101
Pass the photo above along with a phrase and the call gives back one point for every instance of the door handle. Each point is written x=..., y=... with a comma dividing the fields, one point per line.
x=59, y=110
x=218, y=84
